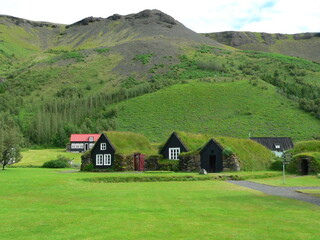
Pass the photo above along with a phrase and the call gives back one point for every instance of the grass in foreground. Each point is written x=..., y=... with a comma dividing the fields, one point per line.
x=291, y=181
x=44, y=204
x=314, y=192
x=178, y=176
x=37, y=157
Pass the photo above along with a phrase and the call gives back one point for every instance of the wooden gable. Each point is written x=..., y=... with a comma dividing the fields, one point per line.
x=103, y=153
x=173, y=142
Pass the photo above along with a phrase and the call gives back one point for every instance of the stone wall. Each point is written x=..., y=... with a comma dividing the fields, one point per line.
x=231, y=163
x=123, y=163
x=151, y=163
x=192, y=163
x=189, y=162
x=85, y=160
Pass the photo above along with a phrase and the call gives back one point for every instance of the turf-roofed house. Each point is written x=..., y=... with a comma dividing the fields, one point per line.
x=82, y=142
x=102, y=153
x=277, y=145
x=173, y=147
x=117, y=151
x=219, y=153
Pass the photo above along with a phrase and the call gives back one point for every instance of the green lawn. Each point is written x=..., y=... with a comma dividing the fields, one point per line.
x=291, y=181
x=39, y=156
x=45, y=204
x=314, y=192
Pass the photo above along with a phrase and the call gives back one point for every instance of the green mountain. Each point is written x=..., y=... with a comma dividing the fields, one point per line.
x=304, y=45
x=89, y=76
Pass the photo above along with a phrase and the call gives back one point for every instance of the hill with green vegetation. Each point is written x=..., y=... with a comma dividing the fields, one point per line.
x=60, y=79
x=218, y=109
x=304, y=45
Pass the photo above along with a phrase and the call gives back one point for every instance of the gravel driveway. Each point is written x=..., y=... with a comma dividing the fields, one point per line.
x=289, y=192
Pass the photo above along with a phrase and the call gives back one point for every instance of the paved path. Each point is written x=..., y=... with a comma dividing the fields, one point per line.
x=289, y=192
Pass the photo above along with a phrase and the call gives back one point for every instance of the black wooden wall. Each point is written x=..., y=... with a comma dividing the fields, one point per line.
x=211, y=157
x=97, y=150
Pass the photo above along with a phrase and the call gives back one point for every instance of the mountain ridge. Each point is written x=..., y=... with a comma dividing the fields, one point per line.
x=305, y=45
x=59, y=79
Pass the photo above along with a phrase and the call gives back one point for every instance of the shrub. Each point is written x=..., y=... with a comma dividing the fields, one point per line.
x=60, y=162
x=276, y=165
x=143, y=58
x=88, y=168
x=169, y=165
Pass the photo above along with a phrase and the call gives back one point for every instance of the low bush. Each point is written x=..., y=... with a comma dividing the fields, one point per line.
x=276, y=165
x=60, y=162
x=168, y=165
x=88, y=168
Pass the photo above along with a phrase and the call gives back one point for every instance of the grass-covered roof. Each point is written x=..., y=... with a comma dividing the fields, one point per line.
x=128, y=143
x=306, y=146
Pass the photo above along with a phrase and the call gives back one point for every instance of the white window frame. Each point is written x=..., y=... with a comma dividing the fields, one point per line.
x=103, y=146
x=107, y=159
x=174, y=153
x=277, y=146
x=99, y=159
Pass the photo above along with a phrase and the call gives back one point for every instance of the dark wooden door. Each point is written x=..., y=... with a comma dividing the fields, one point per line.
x=138, y=162
x=212, y=163
x=304, y=167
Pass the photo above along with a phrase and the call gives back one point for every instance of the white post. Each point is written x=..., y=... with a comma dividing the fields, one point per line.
x=283, y=167
x=284, y=172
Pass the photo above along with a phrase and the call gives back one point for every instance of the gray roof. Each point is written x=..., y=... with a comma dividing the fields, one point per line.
x=275, y=143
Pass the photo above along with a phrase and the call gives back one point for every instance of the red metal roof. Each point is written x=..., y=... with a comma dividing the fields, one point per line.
x=83, y=137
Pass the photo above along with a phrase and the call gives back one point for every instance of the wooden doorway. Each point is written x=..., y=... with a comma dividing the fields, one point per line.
x=138, y=160
x=212, y=163
x=304, y=167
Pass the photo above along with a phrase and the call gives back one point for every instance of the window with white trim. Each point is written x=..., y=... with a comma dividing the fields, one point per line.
x=107, y=159
x=174, y=153
x=76, y=145
x=103, y=146
x=91, y=145
x=99, y=159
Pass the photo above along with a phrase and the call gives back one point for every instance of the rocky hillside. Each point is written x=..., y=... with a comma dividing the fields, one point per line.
x=304, y=45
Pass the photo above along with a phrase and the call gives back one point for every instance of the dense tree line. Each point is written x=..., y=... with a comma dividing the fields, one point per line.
x=306, y=94
x=54, y=121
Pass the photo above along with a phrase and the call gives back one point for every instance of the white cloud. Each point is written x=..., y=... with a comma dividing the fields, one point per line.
x=283, y=16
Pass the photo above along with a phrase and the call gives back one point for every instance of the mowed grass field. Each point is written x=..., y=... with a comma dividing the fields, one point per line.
x=217, y=109
x=291, y=181
x=45, y=204
x=36, y=157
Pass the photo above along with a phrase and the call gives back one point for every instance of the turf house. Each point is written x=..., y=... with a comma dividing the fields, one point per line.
x=117, y=151
x=173, y=147
x=102, y=153
x=211, y=157
x=305, y=158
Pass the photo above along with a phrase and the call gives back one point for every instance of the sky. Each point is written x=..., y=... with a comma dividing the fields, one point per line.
x=202, y=16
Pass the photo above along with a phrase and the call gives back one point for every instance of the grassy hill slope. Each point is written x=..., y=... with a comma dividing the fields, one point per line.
x=228, y=109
